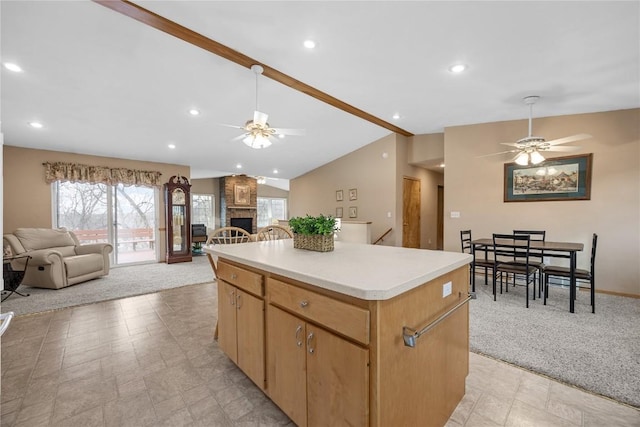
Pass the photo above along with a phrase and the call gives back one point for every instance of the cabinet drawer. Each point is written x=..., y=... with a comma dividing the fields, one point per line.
x=243, y=279
x=339, y=316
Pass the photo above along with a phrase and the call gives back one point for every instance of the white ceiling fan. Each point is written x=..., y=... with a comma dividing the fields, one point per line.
x=529, y=148
x=258, y=134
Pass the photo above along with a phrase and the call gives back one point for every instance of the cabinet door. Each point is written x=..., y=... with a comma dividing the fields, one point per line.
x=337, y=380
x=250, y=333
x=286, y=372
x=227, y=320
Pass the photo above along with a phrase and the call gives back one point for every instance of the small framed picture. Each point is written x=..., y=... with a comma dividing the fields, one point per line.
x=339, y=196
x=339, y=212
x=353, y=212
x=353, y=194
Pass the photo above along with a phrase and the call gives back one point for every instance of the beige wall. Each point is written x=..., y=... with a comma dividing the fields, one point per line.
x=27, y=197
x=474, y=187
x=376, y=171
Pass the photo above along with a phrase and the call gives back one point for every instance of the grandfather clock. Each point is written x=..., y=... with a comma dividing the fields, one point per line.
x=177, y=200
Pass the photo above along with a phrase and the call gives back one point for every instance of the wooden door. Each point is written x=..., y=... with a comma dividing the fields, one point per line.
x=227, y=338
x=411, y=213
x=250, y=335
x=286, y=364
x=337, y=380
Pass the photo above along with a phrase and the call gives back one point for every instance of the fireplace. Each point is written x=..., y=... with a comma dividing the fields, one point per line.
x=244, y=223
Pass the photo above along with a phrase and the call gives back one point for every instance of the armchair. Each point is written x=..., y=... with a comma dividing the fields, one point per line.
x=57, y=257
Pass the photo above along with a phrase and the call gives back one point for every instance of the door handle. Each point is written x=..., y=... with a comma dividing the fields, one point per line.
x=298, y=341
x=309, y=346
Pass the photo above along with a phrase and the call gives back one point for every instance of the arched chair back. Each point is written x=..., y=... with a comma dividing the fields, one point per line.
x=274, y=232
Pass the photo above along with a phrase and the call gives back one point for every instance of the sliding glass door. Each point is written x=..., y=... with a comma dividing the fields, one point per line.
x=122, y=216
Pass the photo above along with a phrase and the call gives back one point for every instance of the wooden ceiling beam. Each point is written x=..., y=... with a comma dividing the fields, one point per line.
x=158, y=22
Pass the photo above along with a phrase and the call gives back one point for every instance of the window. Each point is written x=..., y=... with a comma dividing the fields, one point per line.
x=203, y=210
x=124, y=216
x=271, y=209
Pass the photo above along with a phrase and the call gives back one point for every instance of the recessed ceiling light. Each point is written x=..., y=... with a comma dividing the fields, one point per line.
x=309, y=44
x=194, y=112
x=36, y=125
x=172, y=146
x=12, y=67
x=238, y=166
x=275, y=171
x=396, y=116
x=457, y=68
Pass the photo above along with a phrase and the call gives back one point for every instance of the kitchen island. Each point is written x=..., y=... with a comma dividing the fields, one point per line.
x=335, y=338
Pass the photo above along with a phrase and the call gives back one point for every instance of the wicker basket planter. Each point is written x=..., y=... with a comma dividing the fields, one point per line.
x=313, y=242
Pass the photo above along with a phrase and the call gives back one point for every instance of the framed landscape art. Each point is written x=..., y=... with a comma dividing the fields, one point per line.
x=560, y=178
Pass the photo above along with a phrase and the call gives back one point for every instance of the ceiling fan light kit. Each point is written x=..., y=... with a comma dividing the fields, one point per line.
x=258, y=133
x=528, y=148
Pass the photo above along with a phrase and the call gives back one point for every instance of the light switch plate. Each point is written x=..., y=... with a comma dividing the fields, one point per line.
x=455, y=214
x=446, y=289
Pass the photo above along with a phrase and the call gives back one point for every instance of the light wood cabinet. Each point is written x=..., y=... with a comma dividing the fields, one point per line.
x=326, y=358
x=315, y=376
x=241, y=321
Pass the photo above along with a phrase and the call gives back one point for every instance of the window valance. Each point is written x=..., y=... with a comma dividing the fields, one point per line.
x=74, y=172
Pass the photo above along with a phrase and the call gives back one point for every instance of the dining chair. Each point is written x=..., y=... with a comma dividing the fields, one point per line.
x=511, y=256
x=581, y=275
x=482, y=261
x=536, y=257
x=274, y=232
x=226, y=236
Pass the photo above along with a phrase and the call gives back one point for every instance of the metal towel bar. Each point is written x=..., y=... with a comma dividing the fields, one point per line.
x=411, y=335
x=5, y=318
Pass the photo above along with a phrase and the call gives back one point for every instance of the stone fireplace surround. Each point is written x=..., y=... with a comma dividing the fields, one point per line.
x=229, y=210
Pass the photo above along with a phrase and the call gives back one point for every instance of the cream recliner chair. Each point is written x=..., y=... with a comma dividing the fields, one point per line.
x=57, y=257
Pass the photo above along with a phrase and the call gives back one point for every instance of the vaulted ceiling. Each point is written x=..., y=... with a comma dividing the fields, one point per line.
x=103, y=83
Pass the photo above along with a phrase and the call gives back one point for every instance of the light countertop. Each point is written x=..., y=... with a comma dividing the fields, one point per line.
x=363, y=271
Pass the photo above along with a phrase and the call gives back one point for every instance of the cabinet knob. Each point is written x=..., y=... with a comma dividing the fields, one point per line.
x=298, y=341
x=234, y=276
x=239, y=303
x=309, y=346
x=304, y=303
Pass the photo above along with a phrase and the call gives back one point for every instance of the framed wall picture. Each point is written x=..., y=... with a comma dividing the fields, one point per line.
x=339, y=196
x=353, y=212
x=353, y=194
x=241, y=195
x=560, y=178
x=339, y=212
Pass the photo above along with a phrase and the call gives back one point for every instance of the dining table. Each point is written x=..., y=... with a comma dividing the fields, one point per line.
x=566, y=250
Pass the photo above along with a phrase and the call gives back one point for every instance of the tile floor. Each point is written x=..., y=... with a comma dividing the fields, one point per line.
x=151, y=361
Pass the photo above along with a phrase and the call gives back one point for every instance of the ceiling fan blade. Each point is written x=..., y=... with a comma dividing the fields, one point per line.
x=281, y=131
x=565, y=148
x=501, y=152
x=239, y=137
x=260, y=118
x=571, y=138
x=231, y=126
x=511, y=144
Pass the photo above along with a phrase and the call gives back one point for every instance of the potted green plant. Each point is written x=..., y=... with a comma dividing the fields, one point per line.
x=313, y=233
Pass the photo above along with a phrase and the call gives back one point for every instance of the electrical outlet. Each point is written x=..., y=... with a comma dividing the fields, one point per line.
x=446, y=289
